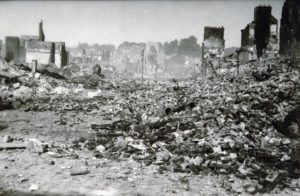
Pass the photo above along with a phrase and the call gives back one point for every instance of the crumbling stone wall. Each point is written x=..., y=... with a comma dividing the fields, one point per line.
x=290, y=29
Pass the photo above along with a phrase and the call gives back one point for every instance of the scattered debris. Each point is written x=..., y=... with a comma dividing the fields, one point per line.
x=36, y=146
x=7, y=139
x=79, y=171
x=3, y=125
x=11, y=146
x=34, y=187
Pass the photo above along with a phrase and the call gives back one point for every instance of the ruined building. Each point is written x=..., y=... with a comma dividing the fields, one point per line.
x=154, y=57
x=290, y=29
x=260, y=37
x=214, y=42
x=27, y=48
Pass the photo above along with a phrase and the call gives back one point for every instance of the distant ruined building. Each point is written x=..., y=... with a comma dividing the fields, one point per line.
x=154, y=58
x=260, y=37
x=27, y=48
x=290, y=29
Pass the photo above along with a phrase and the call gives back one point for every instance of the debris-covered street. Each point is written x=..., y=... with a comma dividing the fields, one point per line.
x=105, y=111
x=239, y=133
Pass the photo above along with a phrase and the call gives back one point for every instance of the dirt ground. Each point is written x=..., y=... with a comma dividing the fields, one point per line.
x=19, y=169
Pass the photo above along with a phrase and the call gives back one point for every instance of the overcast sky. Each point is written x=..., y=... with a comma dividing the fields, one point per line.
x=114, y=22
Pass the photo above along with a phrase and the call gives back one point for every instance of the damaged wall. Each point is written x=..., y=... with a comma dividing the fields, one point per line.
x=22, y=49
x=12, y=45
x=266, y=30
x=61, y=55
x=214, y=37
x=248, y=36
x=214, y=42
x=260, y=37
x=41, y=51
x=248, y=43
x=46, y=52
x=290, y=29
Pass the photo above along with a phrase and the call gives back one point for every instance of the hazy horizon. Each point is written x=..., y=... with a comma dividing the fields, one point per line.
x=114, y=22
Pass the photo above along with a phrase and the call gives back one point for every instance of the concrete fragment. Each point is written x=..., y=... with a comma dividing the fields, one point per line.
x=7, y=139
x=16, y=85
x=100, y=148
x=277, y=176
x=286, y=141
x=162, y=156
x=10, y=146
x=79, y=171
x=36, y=146
x=34, y=187
x=54, y=154
x=3, y=125
x=37, y=75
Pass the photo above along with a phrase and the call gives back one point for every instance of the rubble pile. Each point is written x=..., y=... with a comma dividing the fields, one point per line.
x=246, y=126
x=223, y=125
x=20, y=87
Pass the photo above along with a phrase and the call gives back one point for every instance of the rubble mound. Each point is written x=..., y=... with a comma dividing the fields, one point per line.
x=220, y=125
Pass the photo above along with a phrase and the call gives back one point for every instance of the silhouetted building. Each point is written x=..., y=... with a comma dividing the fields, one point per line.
x=214, y=42
x=260, y=37
x=290, y=29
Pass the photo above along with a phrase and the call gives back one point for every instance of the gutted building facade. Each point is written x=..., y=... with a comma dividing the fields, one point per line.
x=290, y=29
x=248, y=43
x=214, y=42
x=260, y=37
x=29, y=47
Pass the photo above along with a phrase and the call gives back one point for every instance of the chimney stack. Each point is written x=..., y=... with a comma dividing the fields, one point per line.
x=41, y=31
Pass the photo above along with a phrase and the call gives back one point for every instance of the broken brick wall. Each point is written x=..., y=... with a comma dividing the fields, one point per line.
x=290, y=29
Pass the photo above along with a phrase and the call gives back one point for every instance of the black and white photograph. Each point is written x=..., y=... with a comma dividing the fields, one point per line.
x=149, y=97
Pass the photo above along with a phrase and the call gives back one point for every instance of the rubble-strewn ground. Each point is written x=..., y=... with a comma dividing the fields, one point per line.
x=20, y=168
x=220, y=136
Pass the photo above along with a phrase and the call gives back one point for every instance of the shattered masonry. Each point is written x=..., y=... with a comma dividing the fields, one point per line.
x=290, y=29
